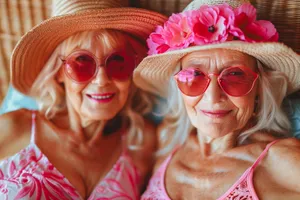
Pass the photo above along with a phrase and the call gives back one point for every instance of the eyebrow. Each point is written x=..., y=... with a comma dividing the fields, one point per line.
x=233, y=62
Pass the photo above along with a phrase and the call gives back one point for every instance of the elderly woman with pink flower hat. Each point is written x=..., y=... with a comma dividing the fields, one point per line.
x=89, y=139
x=224, y=75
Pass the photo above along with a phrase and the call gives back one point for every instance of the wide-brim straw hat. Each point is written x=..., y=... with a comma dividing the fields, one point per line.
x=69, y=17
x=153, y=74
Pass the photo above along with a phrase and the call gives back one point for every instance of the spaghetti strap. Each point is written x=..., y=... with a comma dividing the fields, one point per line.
x=166, y=162
x=263, y=154
x=33, y=127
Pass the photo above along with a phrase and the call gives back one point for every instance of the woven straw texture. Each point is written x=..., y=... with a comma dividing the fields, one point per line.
x=18, y=16
x=196, y=4
x=285, y=15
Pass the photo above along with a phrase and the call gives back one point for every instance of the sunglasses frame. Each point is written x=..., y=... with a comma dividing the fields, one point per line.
x=219, y=75
x=97, y=62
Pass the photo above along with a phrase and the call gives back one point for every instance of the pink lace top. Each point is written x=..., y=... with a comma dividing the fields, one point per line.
x=242, y=189
x=28, y=175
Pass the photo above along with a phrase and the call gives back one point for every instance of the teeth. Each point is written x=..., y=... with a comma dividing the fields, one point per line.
x=101, y=97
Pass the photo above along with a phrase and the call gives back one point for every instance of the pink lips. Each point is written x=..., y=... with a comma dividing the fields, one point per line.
x=216, y=113
x=101, y=98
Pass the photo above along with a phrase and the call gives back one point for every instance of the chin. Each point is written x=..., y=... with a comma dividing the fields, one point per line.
x=213, y=132
x=103, y=115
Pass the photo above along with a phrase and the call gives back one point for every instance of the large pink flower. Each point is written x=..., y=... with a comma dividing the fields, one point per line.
x=246, y=27
x=211, y=23
x=156, y=42
x=177, y=33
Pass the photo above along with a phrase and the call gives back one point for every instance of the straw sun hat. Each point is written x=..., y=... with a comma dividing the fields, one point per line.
x=155, y=71
x=70, y=17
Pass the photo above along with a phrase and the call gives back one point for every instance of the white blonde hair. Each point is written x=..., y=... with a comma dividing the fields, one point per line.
x=176, y=125
x=50, y=94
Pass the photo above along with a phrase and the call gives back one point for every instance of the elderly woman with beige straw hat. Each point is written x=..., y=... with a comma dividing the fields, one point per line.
x=89, y=139
x=224, y=75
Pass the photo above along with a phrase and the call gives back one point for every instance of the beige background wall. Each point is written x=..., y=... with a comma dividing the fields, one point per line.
x=18, y=16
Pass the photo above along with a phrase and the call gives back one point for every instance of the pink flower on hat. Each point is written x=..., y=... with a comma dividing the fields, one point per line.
x=176, y=34
x=211, y=23
x=247, y=28
x=156, y=42
x=208, y=25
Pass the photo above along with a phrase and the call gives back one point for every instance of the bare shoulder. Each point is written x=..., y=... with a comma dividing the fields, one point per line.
x=286, y=152
x=13, y=122
x=285, y=147
x=15, y=131
x=283, y=161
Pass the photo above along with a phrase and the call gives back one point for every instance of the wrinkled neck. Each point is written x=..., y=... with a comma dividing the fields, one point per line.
x=210, y=146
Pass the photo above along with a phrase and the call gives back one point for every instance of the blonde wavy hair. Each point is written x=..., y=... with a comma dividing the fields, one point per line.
x=176, y=126
x=50, y=94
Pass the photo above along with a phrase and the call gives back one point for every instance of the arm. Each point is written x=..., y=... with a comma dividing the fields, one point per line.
x=14, y=132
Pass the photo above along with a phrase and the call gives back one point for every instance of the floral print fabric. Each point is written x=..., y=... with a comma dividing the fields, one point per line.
x=29, y=175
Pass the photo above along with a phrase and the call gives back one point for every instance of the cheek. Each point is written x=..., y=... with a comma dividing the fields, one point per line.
x=73, y=88
x=190, y=103
x=74, y=92
x=244, y=107
x=70, y=86
x=123, y=88
x=123, y=85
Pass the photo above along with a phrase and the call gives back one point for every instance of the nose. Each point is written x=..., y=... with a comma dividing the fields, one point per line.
x=101, y=77
x=213, y=92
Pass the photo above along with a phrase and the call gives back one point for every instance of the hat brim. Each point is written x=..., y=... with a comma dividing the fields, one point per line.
x=36, y=46
x=154, y=72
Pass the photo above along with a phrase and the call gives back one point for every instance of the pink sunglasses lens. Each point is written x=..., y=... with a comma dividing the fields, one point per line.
x=120, y=66
x=192, y=82
x=237, y=81
x=80, y=67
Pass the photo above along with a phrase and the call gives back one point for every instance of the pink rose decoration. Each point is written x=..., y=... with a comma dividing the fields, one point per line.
x=211, y=23
x=246, y=27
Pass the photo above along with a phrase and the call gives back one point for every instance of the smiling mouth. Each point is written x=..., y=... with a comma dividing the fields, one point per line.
x=104, y=98
x=216, y=114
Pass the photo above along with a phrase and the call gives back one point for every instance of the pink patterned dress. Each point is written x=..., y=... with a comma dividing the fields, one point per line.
x=28, y=175
x=242, y=189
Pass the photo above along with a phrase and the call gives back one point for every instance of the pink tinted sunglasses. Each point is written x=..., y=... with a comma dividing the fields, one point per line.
x=82, y=66
x=235, y=81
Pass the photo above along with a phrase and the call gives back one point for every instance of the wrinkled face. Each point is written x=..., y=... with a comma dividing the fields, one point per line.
x=101, y=97
x=215, y=113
